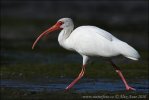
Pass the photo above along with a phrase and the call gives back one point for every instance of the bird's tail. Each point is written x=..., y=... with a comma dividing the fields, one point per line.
x=127, y=51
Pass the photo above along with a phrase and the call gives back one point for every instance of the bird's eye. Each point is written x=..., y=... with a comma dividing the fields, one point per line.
x=60, y=22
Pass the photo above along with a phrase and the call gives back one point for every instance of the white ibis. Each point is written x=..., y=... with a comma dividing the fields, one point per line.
x=91, y=41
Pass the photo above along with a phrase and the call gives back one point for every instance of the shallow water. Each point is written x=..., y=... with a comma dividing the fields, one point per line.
x=85, y=85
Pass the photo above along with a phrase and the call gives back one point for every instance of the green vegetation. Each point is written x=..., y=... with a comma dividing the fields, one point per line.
x=30, y=71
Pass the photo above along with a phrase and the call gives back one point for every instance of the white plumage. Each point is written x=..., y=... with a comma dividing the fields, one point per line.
x=91, y=41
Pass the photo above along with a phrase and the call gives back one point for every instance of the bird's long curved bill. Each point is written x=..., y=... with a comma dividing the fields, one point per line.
x=53, y=28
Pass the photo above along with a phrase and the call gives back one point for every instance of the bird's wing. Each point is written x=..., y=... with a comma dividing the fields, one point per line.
x=101, y=32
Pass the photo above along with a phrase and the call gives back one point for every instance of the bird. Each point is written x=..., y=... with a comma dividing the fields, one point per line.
x=90, y=41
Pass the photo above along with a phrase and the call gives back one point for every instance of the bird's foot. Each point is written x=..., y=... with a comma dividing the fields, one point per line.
x=128, y=88
x=67, y=88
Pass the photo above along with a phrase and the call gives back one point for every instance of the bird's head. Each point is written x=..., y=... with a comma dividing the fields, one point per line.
x=63, y=23
x=67, y=23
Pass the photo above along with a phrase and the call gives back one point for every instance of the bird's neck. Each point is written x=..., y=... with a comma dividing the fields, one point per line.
x=64, y=34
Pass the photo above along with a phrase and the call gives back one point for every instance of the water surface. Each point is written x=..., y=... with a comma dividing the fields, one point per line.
x=85, y=85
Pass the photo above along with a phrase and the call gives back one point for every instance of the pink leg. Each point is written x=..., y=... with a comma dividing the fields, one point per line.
x=122, y=77
x=77, y=79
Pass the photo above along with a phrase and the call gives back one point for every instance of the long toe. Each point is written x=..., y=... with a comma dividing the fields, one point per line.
x=130, y=88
